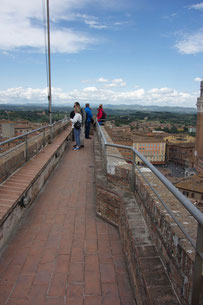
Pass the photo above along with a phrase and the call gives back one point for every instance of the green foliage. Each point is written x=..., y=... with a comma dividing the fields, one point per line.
x=163, y=117
x=32, y=116
x=121, y=117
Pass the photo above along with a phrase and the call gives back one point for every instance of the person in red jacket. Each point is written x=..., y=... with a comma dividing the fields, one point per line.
x=100, y=115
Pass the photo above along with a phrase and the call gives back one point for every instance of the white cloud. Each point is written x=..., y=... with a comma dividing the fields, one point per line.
x=198, y=79
x=90, y=89
x=117, y=82
x=21, y=26
x=102, y=80
x=191, y=43
x=94, y=95
x=170, y=17
x=198, y=6
x=94, y=24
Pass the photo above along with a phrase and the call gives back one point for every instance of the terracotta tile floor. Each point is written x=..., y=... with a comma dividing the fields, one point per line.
x=62, y=254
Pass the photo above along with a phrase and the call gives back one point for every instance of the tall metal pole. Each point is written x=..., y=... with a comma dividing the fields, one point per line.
x=49, y=65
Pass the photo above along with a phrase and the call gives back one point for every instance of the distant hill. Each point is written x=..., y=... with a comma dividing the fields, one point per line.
x=153, y=108
x=134, y=107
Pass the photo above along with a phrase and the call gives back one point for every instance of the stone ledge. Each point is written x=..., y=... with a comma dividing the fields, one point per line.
x=28, y=181
x=175, y=251
x=119, y=208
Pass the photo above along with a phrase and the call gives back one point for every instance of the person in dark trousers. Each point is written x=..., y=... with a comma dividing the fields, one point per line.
x=77, y=119
x=88, y=121
x=83, y=113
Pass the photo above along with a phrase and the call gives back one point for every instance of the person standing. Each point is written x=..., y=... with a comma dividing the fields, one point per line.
x=83, y=114
x=76, y=124
x=88, y=121
x=101, y=116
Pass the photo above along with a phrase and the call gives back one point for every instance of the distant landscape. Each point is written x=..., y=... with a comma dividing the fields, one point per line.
x=107, y=106
x=181, y=118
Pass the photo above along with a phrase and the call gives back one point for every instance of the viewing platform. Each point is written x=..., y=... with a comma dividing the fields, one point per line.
x=61, y=253
x=84, y=228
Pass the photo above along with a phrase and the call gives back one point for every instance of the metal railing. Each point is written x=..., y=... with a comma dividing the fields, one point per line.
x=196, y=213
x=29, y=144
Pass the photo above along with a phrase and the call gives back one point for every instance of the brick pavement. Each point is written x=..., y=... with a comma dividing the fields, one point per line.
x=61, y=253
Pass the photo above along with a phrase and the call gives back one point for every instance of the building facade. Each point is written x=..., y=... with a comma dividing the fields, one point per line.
x=151, y=148
x=198, y=153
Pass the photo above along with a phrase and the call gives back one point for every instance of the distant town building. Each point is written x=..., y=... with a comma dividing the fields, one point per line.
x=198, y=153
x=179, y=139
x=22, y=128
x=180, y=149
x=151, y=148
x=10, y=129
x=192, y=188
x=122, y=136
x=7, y=130
x=180, y=154
x=191, y=129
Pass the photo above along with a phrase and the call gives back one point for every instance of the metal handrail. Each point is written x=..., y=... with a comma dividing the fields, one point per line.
x=29, y=133
x=186, y=202
x=196, y=213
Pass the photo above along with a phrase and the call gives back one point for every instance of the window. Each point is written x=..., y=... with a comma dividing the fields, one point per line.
x=185, y=193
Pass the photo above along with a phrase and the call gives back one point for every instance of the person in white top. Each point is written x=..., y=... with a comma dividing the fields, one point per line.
x=77, y=118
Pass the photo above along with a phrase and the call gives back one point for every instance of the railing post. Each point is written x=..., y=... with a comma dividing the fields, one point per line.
x=44, y=138
x=26, y=148
x=133, y=173
x=51, y=135
x=197, y=270
x=105, y=158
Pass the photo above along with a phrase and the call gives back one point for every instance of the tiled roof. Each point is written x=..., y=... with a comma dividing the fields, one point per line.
x=194, y=183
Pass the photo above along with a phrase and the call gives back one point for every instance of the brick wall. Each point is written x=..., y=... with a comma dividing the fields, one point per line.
x=152, y=242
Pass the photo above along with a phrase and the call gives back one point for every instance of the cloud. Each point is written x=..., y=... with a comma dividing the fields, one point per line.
x=95, y=25
x=170, y=17
x=90, y=89
x=198, y=79
x=117, y=82
x=23, y=35
x=21, y=26
x=102, y=80
x=191, y=43
x=198, y=6
x=93, y=95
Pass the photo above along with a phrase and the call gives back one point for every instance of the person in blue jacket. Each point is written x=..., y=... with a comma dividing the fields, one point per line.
x=88, y=121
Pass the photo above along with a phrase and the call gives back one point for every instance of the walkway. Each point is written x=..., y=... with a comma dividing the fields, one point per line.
x=62, y=254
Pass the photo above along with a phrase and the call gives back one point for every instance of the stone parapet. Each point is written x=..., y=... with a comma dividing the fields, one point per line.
x=146, y=227
x=119, y=207
x=19, y=191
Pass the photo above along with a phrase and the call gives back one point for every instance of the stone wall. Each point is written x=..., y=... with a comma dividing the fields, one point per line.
x=152, y=242
x=16, y=157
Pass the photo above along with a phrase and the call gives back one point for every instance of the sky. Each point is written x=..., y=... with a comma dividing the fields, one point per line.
x=102, y=51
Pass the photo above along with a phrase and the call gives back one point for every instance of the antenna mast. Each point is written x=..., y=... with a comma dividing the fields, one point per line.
x=49, y=65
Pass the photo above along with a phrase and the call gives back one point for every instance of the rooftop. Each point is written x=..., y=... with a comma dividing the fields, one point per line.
x=193, y=183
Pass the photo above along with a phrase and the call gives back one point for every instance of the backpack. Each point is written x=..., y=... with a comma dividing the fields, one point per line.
x=77, y=125
x=103, y=115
